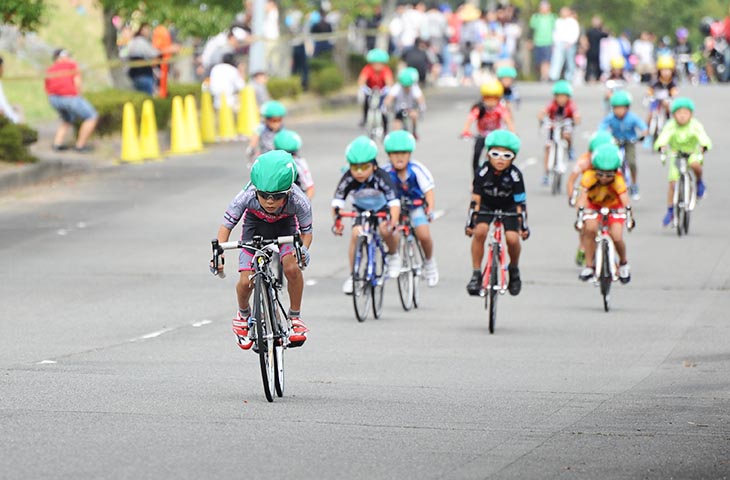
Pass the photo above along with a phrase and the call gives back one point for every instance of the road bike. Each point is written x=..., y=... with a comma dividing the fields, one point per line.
x=374, y=119
x=557, y=153
x=271, y=326
x=606, y=260
x=412, y=256
x=368, y=266
x=685, y=191
x=494, y=275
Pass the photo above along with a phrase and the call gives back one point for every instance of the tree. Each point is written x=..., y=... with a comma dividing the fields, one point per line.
x=27, y=15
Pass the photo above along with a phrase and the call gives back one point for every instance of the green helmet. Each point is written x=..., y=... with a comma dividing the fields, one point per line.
x=562, y=87
x=377, y=55
x=598, y=139
x=683, y=102
x=405, y=77
x=361, y=150
x=606, y=157
x=506, y=72
x=399, y=141
x=503, y=138
x=273, y=171
x=287, y=140
x=273, y=108
x=620, y=98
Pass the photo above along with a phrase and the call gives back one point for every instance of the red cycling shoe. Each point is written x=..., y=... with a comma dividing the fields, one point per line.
x=240, y=328
x=299, y=332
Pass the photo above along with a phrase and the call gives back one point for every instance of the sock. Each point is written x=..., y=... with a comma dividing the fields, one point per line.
x=294, y=313
x=476, y=273
x=670, y=209
x=245, y=312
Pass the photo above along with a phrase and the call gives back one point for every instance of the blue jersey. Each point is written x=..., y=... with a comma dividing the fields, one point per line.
x=625, y=128
x=417, y=183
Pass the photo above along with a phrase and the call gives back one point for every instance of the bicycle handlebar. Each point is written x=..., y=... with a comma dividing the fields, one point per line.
x=258, y=243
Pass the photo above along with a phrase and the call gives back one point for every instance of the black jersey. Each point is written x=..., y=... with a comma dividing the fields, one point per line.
x=503, y=191
x=378, y=183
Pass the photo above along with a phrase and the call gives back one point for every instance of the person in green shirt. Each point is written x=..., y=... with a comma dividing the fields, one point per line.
x=542, y=25
x=683, y=133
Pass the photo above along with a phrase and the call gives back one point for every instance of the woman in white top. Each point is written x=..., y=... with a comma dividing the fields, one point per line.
x=226, y=79
x=565, y=41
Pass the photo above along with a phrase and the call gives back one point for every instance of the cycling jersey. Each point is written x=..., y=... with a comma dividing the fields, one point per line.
x=603, y=195
x=304, y=175
x=266, y=138
x=661, y=91
x=499, y=191
x=625, y=128
x=375, y=79
x=363, y=192
x=488, y=118
x=297, y=205
x=405, y=100
x=683, y=138
x=418, y=180
x=556, y=112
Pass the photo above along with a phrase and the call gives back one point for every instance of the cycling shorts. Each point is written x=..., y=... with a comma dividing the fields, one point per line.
x=418, y=217
x=511, y=224
x=592, y=213
x=674, y=171
x=252, y=225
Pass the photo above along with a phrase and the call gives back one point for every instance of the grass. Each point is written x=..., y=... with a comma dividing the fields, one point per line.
x=77, y=29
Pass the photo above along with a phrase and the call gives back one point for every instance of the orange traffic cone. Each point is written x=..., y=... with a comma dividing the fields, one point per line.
x=207, y=118
x=248, y=112
x=130, y=141
x=148, y=143
x=191, y=124
x=226, y=129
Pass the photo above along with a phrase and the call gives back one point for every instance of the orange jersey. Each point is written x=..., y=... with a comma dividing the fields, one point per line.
x=603, y=195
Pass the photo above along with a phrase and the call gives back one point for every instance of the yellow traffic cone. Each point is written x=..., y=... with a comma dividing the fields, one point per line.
x=148, y=144
x=226, y=129
x=178, y=133
x=207, y=118
x=130, y=142
x=248, y=112
x=191, y=124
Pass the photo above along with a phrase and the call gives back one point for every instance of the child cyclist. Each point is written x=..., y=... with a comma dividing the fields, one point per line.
x=413, y=181
x=371, y=189
x=664, y=89
x=683, y=133
x=406, y=99
x=561, y=109
x=581, y=166
x=271, y=206
x=498, y=186
x=262, y=139
x=376, y=75
x=490, y=115
x=507, y=76
x=616, y=78
x=291, y=142
x=624, y=125
x=604, y=186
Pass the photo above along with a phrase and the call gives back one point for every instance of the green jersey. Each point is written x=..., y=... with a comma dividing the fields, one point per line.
x=542, y=26
x=683, y=138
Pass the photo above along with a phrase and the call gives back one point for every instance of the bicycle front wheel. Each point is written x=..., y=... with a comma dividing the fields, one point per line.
x=417, y=266
x=605, y=277
x=265, y=337
x=378, y=281
x=405, y=278
x=491, y=296
x=681, y=207
x=361, y=288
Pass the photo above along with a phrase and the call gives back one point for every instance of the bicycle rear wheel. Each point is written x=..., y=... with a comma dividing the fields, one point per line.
x=605, y=278
x=361, y=288
x=279, y=367
x=555, y=173
x=378, y=282
x=681, y=207
x=265, y=337
x=417, y=267
x=405, y=278
x=491, y=296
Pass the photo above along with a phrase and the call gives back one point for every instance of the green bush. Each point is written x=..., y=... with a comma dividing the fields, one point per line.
x=109, y=104
x=184, y=89
x=327, y=80
x=14, y=141
x=355, y=63
x=290, y=87
x=320, y=62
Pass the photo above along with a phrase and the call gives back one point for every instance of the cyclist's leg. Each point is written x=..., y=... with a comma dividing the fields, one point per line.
x=590, y=229
x=413, y=113
x=616, y=230
x=477, y=244
x=630, y=154
x=353, y=241
x=391, y=240
x=365, y=108
x=423, y=233
x=294, y=280
x=512, y=238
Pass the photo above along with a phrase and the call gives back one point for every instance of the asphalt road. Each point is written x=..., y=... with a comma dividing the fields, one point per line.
x=117, y=359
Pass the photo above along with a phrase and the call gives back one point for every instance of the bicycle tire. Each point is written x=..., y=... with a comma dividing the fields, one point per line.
x=378, y=282
x=418, y=259
x=406, y=278
x=556, y=179
x=605, y=279
x=681, y=206
x=361, y=289
x=491, y=296
x=265, y=337
x=279, y=379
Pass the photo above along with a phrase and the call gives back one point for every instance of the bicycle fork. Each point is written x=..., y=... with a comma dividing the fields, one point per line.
x=604, y=243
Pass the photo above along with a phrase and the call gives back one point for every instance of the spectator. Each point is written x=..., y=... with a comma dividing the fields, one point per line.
x=565, y=41
x=435, y=30
x=321, y=25
x=643, y=48
x=418, y=58
x=610, y=48
x=140, y=49
x=226, y=79
x=593, y=38
x=6, y=109
x=63, y=86
x=216, y=47
x=542, y=24
x=512, y=33
x=259, y=80
x=271, y=36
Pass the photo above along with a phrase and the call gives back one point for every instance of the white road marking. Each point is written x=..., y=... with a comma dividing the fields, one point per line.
x=81, y=225
x=311, y=282
x=46, y=362
x=63, y=232
x=151, y=335
x=201, y=323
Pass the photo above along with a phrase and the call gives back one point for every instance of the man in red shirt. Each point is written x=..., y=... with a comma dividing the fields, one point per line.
x=63, y=85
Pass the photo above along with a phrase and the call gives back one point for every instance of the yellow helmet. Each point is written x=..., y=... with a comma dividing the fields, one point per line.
x=618, y=63
x=492, y=88
x=665, y=62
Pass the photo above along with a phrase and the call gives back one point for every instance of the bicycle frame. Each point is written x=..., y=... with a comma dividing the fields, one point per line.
x=558, y=150
x=494, y=240
x=625, y=170
x=681, y=160
x=369, y=230
x=604, y=240
x=375, y=115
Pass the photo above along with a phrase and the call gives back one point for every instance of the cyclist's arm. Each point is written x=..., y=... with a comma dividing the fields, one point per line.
x=362, y=78
x=576, y=118
x=306, y=239
x=665, y=135
x=582, y=198
x=625, y=200
x=702, y=138
x=507, y=119
x=541, y=114
x=224, y=233
x=673, y=92
x=429, y=197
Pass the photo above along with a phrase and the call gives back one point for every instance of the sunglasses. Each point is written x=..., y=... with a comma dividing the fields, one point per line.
x=605, y=174
x=496, y=154
x=360, y=167
x=274, y=119
x=272, y=195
